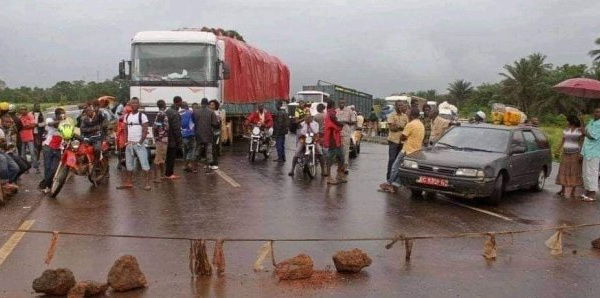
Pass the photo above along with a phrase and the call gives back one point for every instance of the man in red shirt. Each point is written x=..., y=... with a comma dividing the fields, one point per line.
x=27, y=142
x=261, y=118
x=332, y=141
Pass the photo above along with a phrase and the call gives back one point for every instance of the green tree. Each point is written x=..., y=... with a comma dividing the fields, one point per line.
x=459, y=91
x=524, y=80
x=2, y=85
x=596, y=53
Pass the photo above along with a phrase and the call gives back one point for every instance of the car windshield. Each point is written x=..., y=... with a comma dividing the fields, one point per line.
x=174, y=62
x=476, y=139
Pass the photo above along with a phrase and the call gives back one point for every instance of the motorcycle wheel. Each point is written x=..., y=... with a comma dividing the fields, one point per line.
x=311, y=169
x=62, y=172
x=100, y=172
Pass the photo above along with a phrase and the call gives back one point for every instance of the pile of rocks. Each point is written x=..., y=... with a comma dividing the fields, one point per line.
x=124, y=275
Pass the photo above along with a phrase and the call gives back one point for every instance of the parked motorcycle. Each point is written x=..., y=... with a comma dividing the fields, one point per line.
x=259, y=143
x=77, y=157
x=308, y=161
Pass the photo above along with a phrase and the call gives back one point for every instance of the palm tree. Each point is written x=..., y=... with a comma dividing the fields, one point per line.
x=460, y=90
x=524, y=80
x=596, y=53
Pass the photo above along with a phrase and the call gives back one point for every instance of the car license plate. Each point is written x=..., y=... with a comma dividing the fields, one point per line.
x=433, y=181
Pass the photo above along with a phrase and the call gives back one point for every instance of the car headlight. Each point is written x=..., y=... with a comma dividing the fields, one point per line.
x=469, y=172
x=75, y=144
x=410, y=164
x=256, y=131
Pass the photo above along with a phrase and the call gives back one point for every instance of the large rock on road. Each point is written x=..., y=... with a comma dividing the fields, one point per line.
x=54, y=282
x=126, y=274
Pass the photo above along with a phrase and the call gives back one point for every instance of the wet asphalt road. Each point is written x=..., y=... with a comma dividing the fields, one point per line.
x=270, y=205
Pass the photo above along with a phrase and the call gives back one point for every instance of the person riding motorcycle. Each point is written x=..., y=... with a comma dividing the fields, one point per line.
x=92, y=127
x=263, y=119
x=307, y=127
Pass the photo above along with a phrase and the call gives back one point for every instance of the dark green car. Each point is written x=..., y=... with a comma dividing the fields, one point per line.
x=480, y=161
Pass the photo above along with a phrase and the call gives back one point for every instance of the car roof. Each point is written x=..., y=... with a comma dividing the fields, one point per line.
x=496, y=126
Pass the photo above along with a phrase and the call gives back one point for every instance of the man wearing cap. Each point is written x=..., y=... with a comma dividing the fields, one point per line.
x=479, y=117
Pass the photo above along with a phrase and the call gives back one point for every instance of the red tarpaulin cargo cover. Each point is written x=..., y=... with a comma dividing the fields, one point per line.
x=255, y=75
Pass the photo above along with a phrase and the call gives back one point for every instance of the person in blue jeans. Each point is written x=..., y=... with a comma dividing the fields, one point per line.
x=51, y=149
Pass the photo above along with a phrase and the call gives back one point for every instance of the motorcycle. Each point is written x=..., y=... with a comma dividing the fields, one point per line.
x=259, y=143
x=77, y=157
x=308, y=161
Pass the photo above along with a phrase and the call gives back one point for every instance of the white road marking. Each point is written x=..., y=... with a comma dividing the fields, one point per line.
x=480, y=210
x=14, y=240
x=227, y=178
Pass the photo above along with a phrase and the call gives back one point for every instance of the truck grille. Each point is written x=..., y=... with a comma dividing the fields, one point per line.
x=440, y=170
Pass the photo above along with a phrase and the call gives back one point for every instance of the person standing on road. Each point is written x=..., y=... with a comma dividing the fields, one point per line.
x=188, y=138
x=412, y=136
x=160, y=130
x=395, y=122
x=332, y=141
x=569, y=171
x=28, y=123
x=51, y=149
x=427, y=122
x=346, y=116
x=214, y=105
x=280, y=130
x=591, y=157
x=38, y=131
x=174, y=136
x=206, y=121
x=136, y=130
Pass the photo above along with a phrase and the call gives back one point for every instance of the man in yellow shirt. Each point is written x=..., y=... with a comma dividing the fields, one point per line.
x=396, y=122
x=412, y=136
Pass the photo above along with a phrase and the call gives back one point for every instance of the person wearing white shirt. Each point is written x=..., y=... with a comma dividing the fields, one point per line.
x=307, y=127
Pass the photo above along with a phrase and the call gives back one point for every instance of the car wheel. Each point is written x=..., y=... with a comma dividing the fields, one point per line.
x=498, y=191
x=541, y=181
x=416, y=193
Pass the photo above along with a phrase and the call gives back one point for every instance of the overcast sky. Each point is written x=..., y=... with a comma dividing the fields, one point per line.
x=379, y=47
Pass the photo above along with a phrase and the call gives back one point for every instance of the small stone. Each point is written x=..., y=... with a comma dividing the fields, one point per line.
x=298, y=267
x=596, y=243
x=78, y=291
x=93, y=288
x=351, y=261
x=54, y=282
x=126, y=275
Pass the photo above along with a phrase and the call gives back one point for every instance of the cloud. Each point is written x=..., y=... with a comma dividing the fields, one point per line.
x=379, y=47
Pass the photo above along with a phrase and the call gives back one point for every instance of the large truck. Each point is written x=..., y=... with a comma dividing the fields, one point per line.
x=362, y=101
x=195, y=64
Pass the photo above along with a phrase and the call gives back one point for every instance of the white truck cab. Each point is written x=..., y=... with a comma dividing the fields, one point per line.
x=314, y=97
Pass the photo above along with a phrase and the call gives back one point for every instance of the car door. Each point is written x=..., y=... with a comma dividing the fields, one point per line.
x=536, y=158
x=518, y=161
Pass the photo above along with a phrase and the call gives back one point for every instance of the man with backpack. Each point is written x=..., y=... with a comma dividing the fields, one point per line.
x=136, y=130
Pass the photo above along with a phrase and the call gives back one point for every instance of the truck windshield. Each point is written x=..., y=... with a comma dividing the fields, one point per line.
x=174, y=62
x=312, y=97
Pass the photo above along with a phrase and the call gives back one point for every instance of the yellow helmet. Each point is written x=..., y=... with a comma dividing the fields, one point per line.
x=4, y=106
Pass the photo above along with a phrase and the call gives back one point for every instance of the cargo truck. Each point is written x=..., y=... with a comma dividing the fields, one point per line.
x=195, y=64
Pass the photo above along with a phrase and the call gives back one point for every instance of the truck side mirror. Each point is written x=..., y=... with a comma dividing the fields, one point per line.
x=226, y=71
x=124, y=70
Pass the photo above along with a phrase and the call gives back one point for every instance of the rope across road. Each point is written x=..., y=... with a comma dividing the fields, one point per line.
x=392, y=238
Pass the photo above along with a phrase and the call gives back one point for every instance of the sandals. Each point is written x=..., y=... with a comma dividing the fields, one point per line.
x=587, y=199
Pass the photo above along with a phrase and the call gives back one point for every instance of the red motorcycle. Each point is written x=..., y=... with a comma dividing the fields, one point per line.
x=77, y=157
